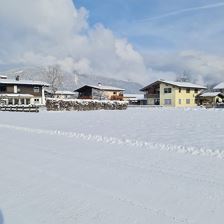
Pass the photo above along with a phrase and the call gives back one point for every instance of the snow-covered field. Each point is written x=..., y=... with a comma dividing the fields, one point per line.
x=140, y=166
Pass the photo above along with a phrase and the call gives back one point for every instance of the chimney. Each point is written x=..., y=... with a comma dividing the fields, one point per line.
x=17, y=78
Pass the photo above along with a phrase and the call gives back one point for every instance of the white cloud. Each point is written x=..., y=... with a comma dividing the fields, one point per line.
x=203, y=67
x=45, y=32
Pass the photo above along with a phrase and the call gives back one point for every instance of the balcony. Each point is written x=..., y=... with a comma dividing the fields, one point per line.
x=115, y=97
x=153, y=96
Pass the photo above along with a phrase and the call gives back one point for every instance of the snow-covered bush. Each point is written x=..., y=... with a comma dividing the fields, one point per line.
x=83, y=105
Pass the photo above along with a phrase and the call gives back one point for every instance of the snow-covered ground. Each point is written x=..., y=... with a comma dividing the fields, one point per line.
x=140, y=166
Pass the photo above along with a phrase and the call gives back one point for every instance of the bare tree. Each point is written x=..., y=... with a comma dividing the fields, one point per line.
x=54, y=76
x=184, y=77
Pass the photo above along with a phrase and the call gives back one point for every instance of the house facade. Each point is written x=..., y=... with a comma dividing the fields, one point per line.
x=172, y=94
x=100, y=92
x=21, y=92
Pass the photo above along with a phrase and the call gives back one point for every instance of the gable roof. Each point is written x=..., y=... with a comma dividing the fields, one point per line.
x=100, y=87
x=178, y=84
x=23, y=82
x=219, y=86
x=211, y=94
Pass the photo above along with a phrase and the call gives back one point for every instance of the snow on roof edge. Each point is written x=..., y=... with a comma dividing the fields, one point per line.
x=219, y=86
x=23, y=82
x=102, y=87
x=211, y=94
x=178, y=84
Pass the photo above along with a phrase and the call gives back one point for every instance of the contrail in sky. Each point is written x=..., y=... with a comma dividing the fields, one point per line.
x=177, y=12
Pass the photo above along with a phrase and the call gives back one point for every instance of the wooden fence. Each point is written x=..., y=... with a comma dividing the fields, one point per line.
x=20, y=108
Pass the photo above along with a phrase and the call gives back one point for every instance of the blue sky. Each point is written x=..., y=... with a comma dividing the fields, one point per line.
x=132, y=40
x=194, y=27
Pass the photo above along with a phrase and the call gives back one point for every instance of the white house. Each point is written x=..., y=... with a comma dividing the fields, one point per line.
x=21, y=92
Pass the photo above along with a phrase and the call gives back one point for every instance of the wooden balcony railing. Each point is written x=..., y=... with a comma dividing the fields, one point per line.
x=120, y=98
x=155, y=96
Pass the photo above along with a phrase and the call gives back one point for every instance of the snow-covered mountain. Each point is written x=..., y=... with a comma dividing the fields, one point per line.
x=73, y=80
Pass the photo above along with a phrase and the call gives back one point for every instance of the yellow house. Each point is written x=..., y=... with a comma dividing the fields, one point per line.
x=172, y=94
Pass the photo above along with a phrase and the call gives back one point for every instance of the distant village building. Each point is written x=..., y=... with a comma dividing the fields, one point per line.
x=64, y=94
x=61, y=94
x=210, y=99
x=135, y=99
x=170, y=93
x=219, y=87
x=100, y=92
x=21, y=92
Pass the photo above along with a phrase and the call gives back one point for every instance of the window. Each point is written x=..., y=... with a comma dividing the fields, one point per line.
x=179, y=90
x=188, y=90
x=114, y=93
x=179, y=101
x=188, y=101
x=22, y=101
x=10, y=102
x=16, y=101
x=2, y=88
x=196, y=90
x=36, y=100
x=36, y=89
x=167, y=90
x=27, y=101
x=167, y=101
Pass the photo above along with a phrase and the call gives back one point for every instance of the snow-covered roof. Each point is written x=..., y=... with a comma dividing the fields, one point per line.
x=184, y=84
x=178, y=84
x=134, y=96
x=23, y=82
x=219, y=86
x=102, y=87
x=211, y=94
x=65, y=92
x=48, y=91
x=16, y=95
